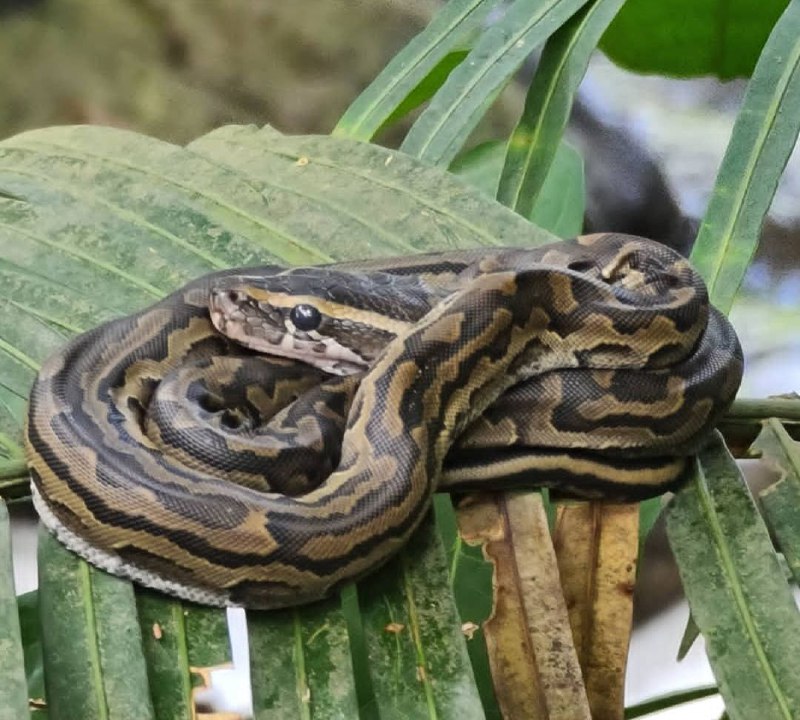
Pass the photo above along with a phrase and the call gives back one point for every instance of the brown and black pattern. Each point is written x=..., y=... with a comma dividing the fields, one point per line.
x=163, y=450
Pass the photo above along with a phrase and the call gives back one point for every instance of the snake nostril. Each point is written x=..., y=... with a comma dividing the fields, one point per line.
x=211, y=403
x=582, y=266
x=231, y=420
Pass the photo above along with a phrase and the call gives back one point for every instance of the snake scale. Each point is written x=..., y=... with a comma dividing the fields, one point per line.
x=264, y=435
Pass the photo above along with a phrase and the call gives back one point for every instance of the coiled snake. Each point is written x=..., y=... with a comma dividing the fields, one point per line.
x=595, y=366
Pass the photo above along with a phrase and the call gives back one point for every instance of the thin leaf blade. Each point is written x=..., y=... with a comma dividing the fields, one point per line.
x=736, y=590
x=164, y=645
x=31, y=633
x=438, y=134
x=13, y=687
x=411, y=68
x=763, y=138
x=300, y=663
x=532, y=146
x=781, y=500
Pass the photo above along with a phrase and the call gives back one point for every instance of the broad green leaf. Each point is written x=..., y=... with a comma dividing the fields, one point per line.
x=781, y=500
x=535, y=141
x=300, y=663
x=456, y=109
x=13, y=688
x=420, y=67
x=687, y=38
x=419, y=662
x=93, y=662
x=207, y=641
x=736, y=590
x=110, y=220
x=762, y=140
x=560, y=205
x=165, y=647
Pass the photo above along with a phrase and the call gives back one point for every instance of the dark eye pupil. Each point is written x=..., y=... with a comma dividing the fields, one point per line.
x=305, y=317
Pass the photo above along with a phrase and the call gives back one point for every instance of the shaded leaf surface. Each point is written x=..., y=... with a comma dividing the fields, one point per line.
x=470, y=577
x=163, y=629
x=415, y=645
x=300, y=663
x=30, y=629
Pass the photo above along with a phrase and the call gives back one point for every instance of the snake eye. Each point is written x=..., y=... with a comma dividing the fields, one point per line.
x=305, y=317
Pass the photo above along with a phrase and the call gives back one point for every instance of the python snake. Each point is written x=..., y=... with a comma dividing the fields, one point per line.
x=594, y=366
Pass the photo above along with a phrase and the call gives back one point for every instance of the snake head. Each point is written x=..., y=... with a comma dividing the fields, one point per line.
x=337, y=321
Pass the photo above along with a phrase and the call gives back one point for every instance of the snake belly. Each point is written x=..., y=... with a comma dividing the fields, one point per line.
x=595, y=366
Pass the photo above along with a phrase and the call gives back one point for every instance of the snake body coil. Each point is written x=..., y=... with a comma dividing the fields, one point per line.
x=595, y=366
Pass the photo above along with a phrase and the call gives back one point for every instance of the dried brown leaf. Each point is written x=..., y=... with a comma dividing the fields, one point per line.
x=534, y=665
x=597, y=546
